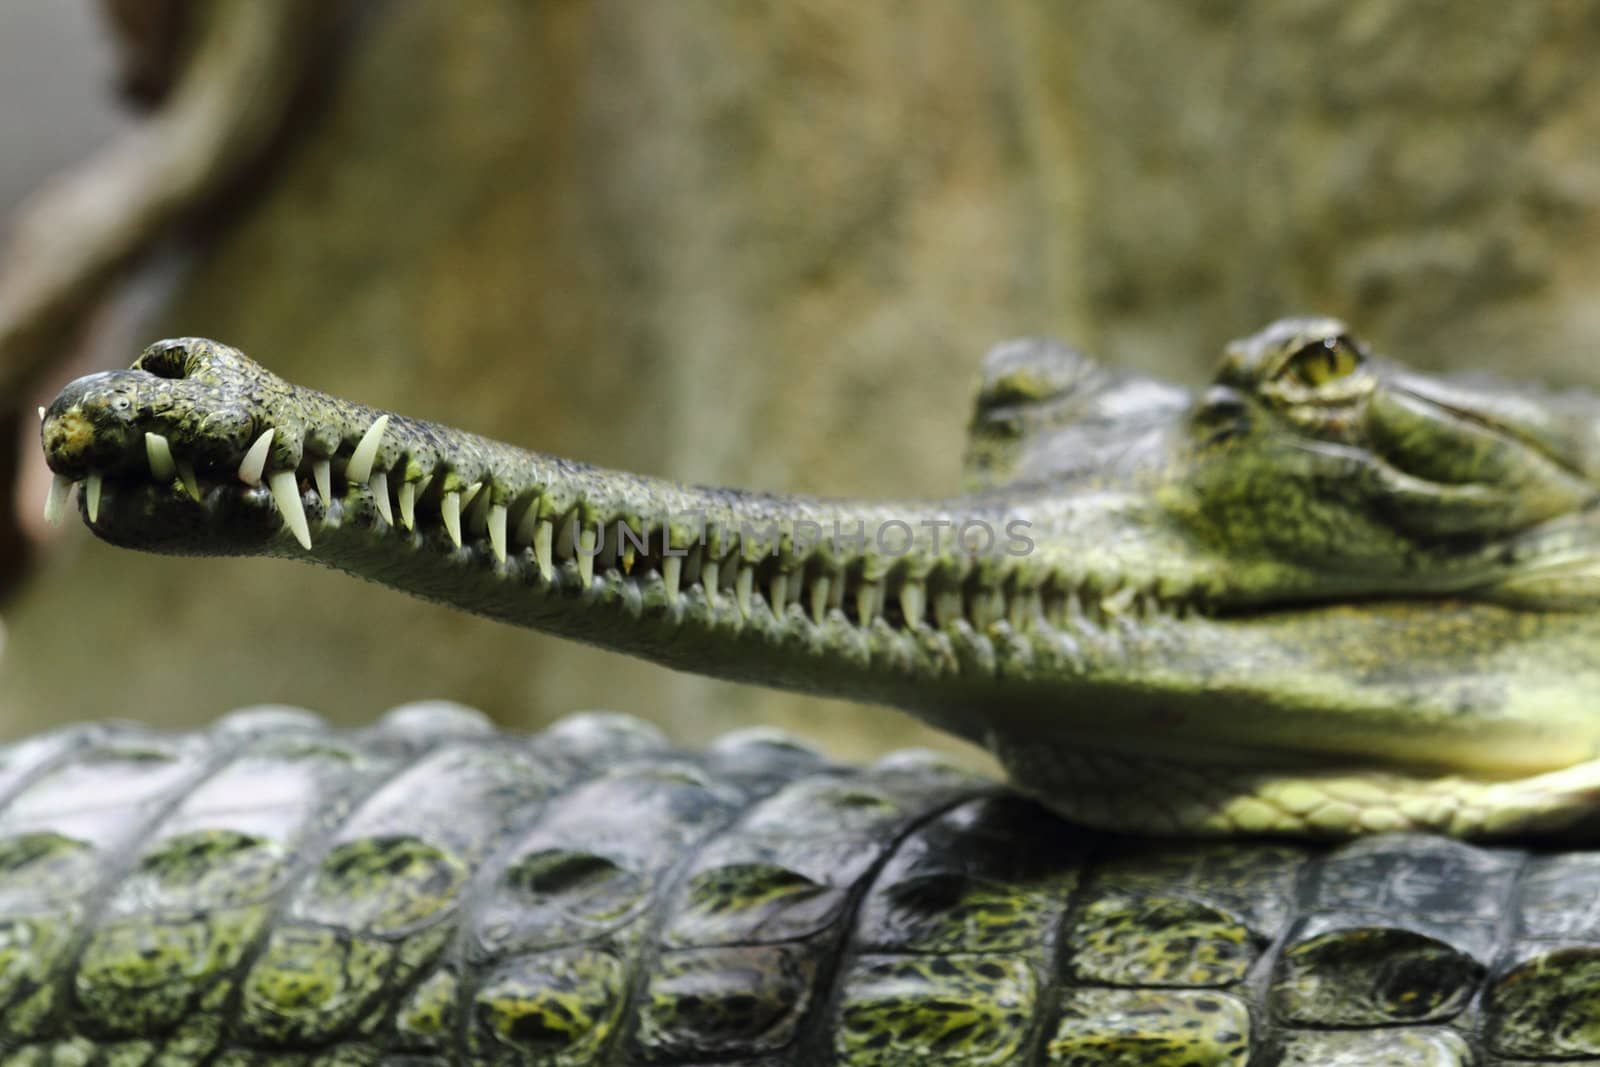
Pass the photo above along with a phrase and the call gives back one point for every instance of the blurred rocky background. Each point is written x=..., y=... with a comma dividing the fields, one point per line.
x=761, y=243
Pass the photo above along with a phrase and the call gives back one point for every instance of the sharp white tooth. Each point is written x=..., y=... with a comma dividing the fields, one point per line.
x=868, y=601
x=255, y=460
x=947, y=606
x=913, y=602
x=1120, y=601
x=191, y=484
x=709, y=573
x=322, y=474
x=55, y=502
x=778, y=592
x=543, y=551
x=91, y=495
x=359, y=469
x=408, y=504
x=450, y=509
x=820, y=587
x=586, y=554
x=378, y=485
x=742, y=586
x=497, y=531
x=159, y=453
x=693, y=564
x=672, y=574
x=41, y=414
x=528, y=523
x=286, y=491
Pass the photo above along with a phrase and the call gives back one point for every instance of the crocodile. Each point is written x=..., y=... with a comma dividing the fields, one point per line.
x=1402, y=568
x=1324, y=595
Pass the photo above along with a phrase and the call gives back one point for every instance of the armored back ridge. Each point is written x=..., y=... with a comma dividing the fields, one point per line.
x=428, y=892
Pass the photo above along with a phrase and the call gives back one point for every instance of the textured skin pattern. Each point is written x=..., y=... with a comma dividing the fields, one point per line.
x=427, y=892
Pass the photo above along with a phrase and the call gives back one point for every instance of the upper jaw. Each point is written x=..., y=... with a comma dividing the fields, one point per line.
x=99, y=424
x=92, y=426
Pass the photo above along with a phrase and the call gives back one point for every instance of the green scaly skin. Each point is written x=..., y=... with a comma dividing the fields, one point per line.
x=427, y=892
x=1325, y=595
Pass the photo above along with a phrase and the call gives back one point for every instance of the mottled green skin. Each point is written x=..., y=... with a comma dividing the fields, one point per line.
x=429, y=892
x=1321, y=561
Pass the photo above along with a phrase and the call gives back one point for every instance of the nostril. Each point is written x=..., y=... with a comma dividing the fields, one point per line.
x=170, y=361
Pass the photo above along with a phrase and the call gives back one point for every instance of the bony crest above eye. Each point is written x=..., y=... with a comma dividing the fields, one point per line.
x=1327, y=360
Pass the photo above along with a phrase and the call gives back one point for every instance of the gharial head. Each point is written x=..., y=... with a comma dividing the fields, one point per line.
x=1320, y=558
x=1308, y=448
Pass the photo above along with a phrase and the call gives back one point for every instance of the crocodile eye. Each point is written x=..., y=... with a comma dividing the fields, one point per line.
x=1321, y=362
